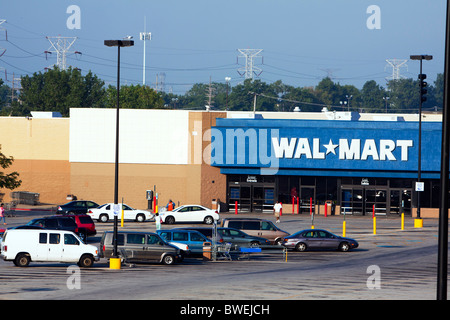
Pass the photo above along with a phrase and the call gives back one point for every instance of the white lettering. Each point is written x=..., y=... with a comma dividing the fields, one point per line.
x=246, y=309
x=404, y=145
x=303, y=148
x=188, y=310
x=370, y=149
x=284, y=149
x=386, y=148
x=316, y=149
x=350, y=153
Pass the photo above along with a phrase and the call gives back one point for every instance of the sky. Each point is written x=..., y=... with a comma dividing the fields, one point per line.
x=193, y=41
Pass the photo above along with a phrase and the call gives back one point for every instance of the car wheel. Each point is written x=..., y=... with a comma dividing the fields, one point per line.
x=22, y=260
x=300, y=247
x=170, y=220
x=209, y=220
x=103, y=218
x=344, y=246
x=140, y=218
x=254, y=244
x=86, y=261
x=168, y=259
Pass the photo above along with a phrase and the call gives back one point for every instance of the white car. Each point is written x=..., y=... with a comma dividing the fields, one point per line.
x=106, y=212
x=190, y=213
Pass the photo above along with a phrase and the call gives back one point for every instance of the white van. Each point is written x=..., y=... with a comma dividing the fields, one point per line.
x=24, y=245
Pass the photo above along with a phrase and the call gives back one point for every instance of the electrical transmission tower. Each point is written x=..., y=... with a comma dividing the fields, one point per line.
x=61, y=46
x=396, y=64
x=3, y=50
x=249, y=70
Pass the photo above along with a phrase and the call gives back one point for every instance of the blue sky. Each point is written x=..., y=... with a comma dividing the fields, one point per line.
x=193, y=40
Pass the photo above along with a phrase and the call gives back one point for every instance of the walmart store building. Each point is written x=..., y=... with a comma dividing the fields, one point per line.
x=356, y=162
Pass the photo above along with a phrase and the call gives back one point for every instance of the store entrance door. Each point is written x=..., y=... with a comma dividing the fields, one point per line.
x=251, y=197
x=307, y=197
x=364, y=200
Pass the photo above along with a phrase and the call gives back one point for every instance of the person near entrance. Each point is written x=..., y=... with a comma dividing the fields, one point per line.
x=277, y=207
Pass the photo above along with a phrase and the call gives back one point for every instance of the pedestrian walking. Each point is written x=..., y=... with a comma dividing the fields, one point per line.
x=157, y=221
x=2, y=214
x=277, y=207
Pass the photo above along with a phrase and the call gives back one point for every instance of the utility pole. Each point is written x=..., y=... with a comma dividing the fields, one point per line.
x=250, y=70
x=144, y=36
x=61, y=46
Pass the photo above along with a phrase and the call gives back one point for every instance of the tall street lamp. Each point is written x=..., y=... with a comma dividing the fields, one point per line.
x=422, y=99
x=118, y=44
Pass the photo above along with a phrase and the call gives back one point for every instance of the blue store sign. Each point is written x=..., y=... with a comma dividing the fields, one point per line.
x=320, y=147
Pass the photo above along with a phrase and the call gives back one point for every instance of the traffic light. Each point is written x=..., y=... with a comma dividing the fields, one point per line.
x=423, y=85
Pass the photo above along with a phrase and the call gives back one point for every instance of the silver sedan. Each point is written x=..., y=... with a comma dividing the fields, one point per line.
x=318, y=239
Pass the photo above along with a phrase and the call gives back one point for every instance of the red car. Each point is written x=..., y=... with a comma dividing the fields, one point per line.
x=86, y=225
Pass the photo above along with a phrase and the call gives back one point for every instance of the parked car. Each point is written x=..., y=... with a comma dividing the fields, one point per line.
x=206, y=231
x=55, y=223
x=310, y=239
x=193, y=239
x=105, y=212
x=23, y=246
x=230, y=235
x=240, y=238
x=86, y=226
x=135, y=246
x=256, y=227
x=190, y=213
x=76, y=207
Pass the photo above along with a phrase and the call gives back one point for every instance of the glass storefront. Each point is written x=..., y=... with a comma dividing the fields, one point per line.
x=356, y=196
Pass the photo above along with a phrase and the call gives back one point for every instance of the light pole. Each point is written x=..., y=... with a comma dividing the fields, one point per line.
x=422, y=99
x=118, y=44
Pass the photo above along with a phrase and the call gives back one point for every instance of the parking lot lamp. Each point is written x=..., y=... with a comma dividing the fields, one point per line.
x=422, y=99
x=118, y=44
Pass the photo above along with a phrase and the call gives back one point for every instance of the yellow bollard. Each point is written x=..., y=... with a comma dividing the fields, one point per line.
x=121, y=219
x=418, y=223
x=374, y=225
x=114, y=263
x=343, y=228
x=403, y=221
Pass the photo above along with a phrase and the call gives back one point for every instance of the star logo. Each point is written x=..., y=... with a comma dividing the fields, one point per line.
x=330, y=147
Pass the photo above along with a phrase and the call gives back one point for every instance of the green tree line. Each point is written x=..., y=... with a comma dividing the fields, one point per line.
x=60, y=90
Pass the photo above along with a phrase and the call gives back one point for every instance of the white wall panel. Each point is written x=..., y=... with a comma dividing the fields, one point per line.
x=146, y=136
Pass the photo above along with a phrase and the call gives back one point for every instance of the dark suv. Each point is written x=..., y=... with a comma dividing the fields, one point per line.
x=55, y=223
x=76, y=207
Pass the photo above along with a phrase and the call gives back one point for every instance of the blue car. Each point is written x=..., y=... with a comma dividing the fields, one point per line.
x=193, y=239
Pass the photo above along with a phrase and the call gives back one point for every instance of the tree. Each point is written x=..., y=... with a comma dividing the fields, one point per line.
x=60, y=90
x=404, y=95
x=134, y=97
x=372, y=96
x=10, y=180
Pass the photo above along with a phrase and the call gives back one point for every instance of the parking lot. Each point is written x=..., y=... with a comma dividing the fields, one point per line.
x=393, y=264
